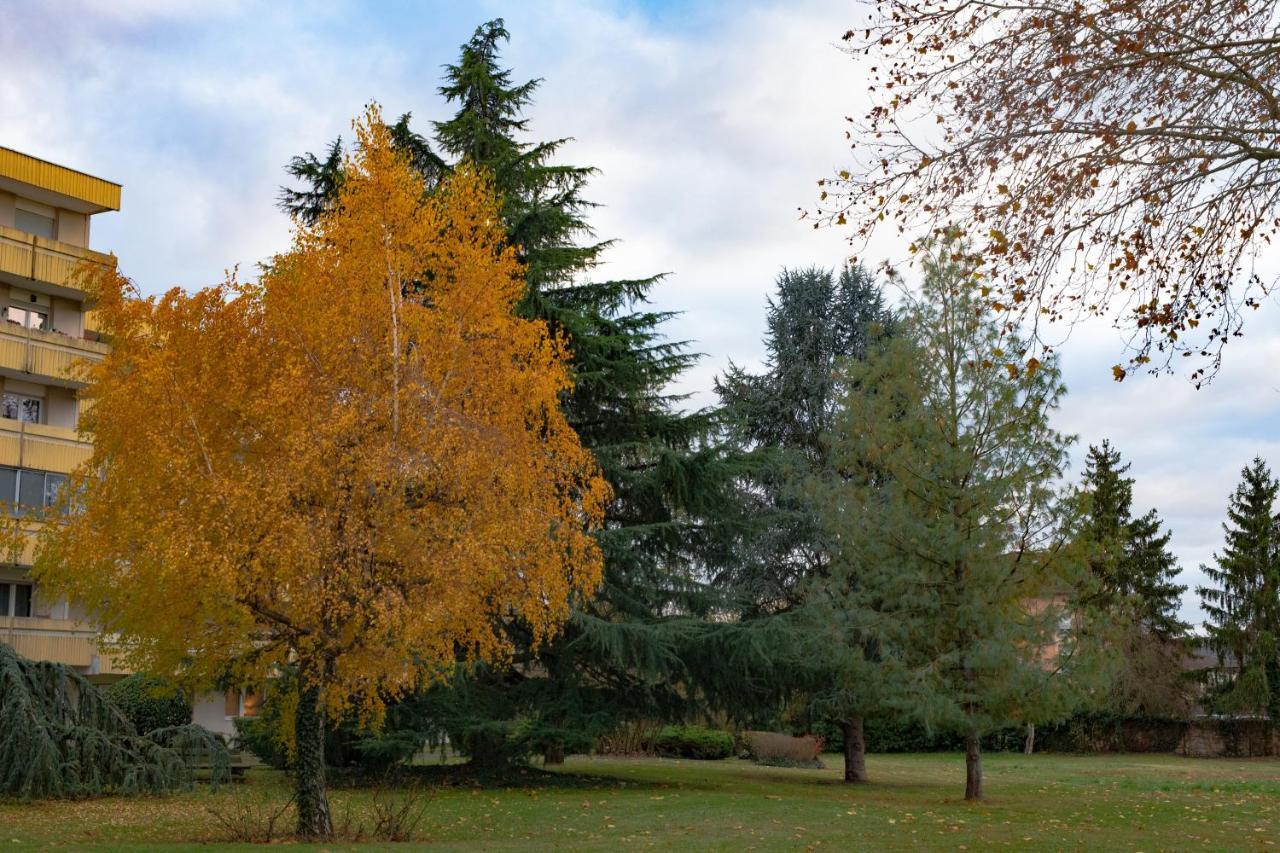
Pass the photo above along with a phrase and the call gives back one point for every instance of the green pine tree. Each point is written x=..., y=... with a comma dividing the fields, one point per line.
x=1135, y=591
x=1242, y=600
x=779, y=419
x=947, y=518
x=627, y=652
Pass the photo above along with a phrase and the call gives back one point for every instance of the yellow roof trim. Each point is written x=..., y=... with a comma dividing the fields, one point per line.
x=53, y=178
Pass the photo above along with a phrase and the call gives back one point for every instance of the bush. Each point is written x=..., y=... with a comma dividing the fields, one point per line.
x=779, y=750
x=150, y=702
x=693, y=742
x=260, y=737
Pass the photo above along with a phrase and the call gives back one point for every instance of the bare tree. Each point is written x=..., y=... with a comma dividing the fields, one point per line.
x=1118, y=158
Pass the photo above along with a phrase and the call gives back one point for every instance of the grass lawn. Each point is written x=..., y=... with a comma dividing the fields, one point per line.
x=1139, y=802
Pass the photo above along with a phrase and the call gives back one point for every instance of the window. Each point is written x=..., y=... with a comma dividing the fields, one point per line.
x=20, y=407
x=36, y=223
x=15, y=599
x=52, y=487
x=26, y=491
x=30, y=490
x=28, y=318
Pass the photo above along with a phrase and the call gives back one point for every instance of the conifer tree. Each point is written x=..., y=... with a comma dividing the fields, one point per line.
x=1130, y=556
x=60, y=736
x=1242, y=600
x=947, y=520
x=1135, y=590
x=779, y=419
x=623, y=652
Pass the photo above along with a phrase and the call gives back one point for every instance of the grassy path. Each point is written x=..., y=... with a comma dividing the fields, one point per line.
x=1042, y=802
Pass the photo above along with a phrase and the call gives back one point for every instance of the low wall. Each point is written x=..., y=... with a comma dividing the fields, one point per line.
x=1229, y=739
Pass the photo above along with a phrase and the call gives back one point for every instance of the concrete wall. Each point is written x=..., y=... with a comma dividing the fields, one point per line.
x=7, y=209
x=66, y=317
x=73, y=228
x=209, y=710
x=61, y=407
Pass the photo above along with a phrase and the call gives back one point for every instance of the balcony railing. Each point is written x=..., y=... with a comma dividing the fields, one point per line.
x=37, y=259
x=40, y=446
x=60, y=640
x=50, y=355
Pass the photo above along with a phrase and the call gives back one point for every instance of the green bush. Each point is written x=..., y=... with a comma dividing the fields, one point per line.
x=150, y=702
x=693, y=742
x=260, y=737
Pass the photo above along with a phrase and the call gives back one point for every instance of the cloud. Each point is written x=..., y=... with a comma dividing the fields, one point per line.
x=710, y=122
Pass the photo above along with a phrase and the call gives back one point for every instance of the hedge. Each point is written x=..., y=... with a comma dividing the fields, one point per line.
x=693, y=742
x=150, y=702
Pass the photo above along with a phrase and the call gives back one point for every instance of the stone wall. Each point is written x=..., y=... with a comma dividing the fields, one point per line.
x=1230, y=739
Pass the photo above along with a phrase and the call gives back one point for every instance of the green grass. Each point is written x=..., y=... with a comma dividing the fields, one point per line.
x=1140, y=802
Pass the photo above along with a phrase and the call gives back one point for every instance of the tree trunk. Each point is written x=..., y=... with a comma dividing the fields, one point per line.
x=1029, y=746
x=553, y=754
x=486, y=751
x=855, y=750
x=972, y=768
x=314, y=820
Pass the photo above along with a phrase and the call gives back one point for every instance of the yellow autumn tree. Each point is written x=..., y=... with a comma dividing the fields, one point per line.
x=354, y=467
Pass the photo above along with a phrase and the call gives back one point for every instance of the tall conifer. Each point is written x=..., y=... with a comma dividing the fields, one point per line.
x=618, y=656
x=948, y=521
x=1242, y=600
x=1135, y=592
x=780, y=419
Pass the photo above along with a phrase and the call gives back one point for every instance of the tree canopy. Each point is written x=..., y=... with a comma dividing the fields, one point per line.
x=625, y=652
x=1242, y=599
x=948, y=523
x=314, y=470
x=1112, y=159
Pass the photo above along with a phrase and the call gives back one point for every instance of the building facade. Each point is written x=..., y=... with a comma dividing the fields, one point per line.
x=45, y=330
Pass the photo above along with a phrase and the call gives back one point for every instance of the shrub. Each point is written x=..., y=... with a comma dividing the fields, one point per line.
x=779, y=750
x=630, y=738
x=150, y=702
x=260, y=737
x=693, y=742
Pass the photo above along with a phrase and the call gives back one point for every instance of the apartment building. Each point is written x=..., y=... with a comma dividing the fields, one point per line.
x=46, y=212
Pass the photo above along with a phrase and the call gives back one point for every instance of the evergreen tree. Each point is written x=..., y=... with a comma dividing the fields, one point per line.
x=779, y=419
x=620, y=656
x=60, y=736
x=947, y=521
x=1130, y=557
x=1135, y=590
x=1242, y=602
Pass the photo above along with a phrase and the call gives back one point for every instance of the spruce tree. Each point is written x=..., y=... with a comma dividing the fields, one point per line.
x=948, y=521
x=1242, y=600
x=779, y=419
x=1134, y=590
x=1129, y=556
x=624, y=652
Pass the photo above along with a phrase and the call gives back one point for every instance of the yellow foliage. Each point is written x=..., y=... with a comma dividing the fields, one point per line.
x=355, y=465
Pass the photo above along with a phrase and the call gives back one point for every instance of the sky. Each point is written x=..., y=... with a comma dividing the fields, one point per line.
x=710, y=123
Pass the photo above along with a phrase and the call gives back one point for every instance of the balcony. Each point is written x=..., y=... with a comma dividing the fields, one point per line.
x=43, y=447
x=46, y=266
x=60, y=640
x=32, y=353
